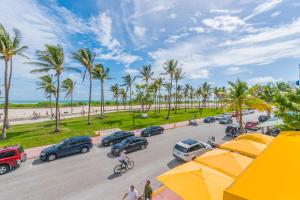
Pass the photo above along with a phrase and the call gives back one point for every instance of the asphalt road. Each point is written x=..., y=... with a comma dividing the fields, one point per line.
x=90, y=176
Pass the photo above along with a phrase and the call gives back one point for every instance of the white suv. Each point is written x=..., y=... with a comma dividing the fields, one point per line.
x=190, y=149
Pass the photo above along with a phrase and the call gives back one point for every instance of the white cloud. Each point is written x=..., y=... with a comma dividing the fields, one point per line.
x=222, y=11
x=132, y=71
x=146, y=8
x=174, y=38
x=162, y=30
x=280, y=32
x=224, y=23
x=264, y=7
x=101, y=26
x=198, y=29
x=172, y=16
x=275, y=14
x=200, y=74
x=233, y=70
x=262, y=80
x=139, y=31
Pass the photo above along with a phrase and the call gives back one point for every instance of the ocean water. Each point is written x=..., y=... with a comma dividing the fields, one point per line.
x=38, y=101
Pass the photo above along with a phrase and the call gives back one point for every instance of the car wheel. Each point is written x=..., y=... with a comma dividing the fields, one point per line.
x=84, y=150
x=143, y=147
x=148, y=135
x=51, y=157
x=110, y=143
x=4, y=169
x=194, y=158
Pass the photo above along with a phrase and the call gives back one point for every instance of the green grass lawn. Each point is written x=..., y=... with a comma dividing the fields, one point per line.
x=39, y=134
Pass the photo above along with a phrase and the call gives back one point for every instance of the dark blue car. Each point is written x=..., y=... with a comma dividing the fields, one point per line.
x=209, y=120
x=79, y=144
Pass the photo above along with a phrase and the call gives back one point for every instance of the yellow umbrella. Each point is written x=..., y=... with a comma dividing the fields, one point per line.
x=194, y=181
x=229, y=163
x=256, y=137
x=246, y=147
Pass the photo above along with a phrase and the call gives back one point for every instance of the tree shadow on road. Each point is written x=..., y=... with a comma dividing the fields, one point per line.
x=174, y=163
x=38, y=162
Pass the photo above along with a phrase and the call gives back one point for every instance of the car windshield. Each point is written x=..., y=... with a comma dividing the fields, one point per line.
x=181, y=148
x=61, y=143
x=125, y=141
x=117, y=133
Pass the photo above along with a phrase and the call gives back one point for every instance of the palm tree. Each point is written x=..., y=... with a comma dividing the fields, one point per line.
x=9, y=47
x=146, y=74
x=128, y=82
x=123, y=94
x=178, y=75
x=199, y=93
x=186, y=91
x=101, y=73
x=46, y=83
x=116, y=92
x=154, y=88
x=241, y=96
x=52, y=59
x=192, y=90
x=170, y=69
x=68, y=86
x=86, y=58
x=159, y=83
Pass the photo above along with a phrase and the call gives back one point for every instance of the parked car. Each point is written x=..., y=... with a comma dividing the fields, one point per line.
x=225, y=120
x=152, y=130
x=273, y=131
x=11, y=157
x=232, y=130
x=252, y=126
x=209, y=120
x=78, y=144
x=190, y=149
x=130, y=144
x=263, y=118
x=116, y=137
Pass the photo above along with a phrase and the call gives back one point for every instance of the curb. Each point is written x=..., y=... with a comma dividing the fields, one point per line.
x=35, y=151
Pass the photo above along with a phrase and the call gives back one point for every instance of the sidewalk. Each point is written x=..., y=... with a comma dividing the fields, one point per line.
x=35, y=151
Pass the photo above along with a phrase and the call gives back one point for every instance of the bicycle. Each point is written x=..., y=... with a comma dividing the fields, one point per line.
x=119, y=168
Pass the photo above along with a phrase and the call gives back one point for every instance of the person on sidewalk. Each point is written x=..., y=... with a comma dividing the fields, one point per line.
x=148, y=191
x=132, y=194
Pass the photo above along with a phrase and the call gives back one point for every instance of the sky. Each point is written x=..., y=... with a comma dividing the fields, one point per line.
x=215, y=41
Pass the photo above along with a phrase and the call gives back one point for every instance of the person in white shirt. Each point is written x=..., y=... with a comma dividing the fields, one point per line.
x=122, y=158
x=132, y=194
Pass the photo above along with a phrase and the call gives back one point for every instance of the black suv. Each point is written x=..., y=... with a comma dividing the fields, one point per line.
x=129, y=144
x=152, y=130
x=78, y=144
x=116, y=137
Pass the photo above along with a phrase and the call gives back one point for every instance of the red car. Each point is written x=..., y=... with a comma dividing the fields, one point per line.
x=11, y=157
x=251, y=126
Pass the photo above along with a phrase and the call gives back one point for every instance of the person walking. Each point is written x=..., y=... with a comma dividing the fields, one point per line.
x=132, y=194
x=148, y=191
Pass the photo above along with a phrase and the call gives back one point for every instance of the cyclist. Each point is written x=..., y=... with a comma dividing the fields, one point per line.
x=122, y=158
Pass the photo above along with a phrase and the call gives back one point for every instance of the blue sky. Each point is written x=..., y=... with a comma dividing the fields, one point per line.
x=215, y=41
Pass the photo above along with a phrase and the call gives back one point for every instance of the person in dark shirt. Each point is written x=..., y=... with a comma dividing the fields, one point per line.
x=148, y=191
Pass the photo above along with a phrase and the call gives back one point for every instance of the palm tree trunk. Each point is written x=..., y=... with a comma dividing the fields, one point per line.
x=102, y=99
x=72, y=102
x=50, y=102
x=176, y=96
x=90, y=98
x=170, y=93
x=241, y=120
x=117, y=103
x=159, y=96
x=57, y=106
x=130, y=98
x=184, y=103
x=4, y=127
